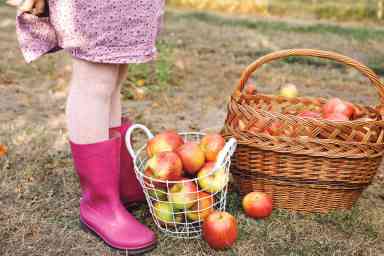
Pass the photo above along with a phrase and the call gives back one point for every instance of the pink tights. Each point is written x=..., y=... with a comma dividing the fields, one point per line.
x=93, y=104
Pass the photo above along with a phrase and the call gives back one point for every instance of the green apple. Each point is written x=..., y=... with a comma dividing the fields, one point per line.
x=214, y=182
x=166, y=214
x=183, y=194
x=289, y=91
x=157, y=194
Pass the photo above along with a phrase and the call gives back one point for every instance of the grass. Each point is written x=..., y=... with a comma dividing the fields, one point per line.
x=356, y=33
x=204, y=54
x=324, y=9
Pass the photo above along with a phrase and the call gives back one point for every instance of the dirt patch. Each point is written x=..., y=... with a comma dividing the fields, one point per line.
x=40, y=192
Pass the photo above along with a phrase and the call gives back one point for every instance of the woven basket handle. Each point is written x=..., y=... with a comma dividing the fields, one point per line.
x=367, y=72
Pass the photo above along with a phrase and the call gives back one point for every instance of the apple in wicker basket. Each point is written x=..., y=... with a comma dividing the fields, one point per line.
x=183, y=194
x=165, y=141
x=212, y=144
x=336, y=117
x=257, y=205
x=289, y=91
x=336, y=105
x=164, y=166
x=220, y=230
x=166, y=214
x=191, y=156
x=202, y=208
x=212, y=182
x=310, y=114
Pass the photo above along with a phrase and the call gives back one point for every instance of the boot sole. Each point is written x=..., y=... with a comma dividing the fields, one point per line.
x=87, y=229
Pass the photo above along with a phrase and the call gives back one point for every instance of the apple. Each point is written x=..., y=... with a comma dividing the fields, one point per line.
x=214, y=182
x=157, y=194
x=220, y=230
x=183, y=194
x=211, y=145
x=336, y=116
x=242, y=125
x=275, y=128
x=202, y=208
x=165, y=166
x=336, y=105
x=165, y=141
x=166, y=214
x=289, y=91
x=257, y=205
x=250, y=89
x=311, y=114
x=192, y=157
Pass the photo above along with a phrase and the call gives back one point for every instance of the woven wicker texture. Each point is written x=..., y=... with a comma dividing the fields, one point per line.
x=312, y=165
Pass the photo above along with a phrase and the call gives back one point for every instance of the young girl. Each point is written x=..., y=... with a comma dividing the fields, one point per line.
x=102, y=37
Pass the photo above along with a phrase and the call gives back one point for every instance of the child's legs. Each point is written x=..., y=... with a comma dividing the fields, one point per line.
x=115, y=114
x=89, y=101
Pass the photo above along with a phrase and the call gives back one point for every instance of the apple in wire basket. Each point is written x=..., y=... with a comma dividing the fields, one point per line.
x=183, y=194
x=192, y=157
x=202, y=207
x=165, y=141
x=214, y=182
x=164, y=166
x=211, y=145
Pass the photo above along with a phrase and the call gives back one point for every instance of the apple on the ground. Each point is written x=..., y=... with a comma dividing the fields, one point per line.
x=220, y=230
x=257, y=205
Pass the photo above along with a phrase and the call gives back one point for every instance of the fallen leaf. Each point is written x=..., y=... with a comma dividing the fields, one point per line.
x=3, y=150
x=140, y=82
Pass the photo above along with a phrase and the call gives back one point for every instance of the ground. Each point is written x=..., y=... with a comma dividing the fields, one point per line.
x=203, y=56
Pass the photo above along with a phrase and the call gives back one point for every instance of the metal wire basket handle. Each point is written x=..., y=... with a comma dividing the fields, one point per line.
x=227, y=151
x=128, y=136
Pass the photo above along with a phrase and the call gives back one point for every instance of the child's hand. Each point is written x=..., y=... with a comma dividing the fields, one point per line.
x=36, y=7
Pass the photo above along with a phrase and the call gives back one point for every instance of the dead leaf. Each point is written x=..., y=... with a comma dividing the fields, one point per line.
x=3, y=150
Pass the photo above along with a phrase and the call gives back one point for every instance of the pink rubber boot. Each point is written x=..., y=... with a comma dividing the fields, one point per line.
x=130, y=188
x=101, y=211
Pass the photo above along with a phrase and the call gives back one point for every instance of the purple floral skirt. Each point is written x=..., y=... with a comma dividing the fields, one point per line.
x=104, y=31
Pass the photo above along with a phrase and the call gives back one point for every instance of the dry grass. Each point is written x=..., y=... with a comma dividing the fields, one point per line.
x=40, y=192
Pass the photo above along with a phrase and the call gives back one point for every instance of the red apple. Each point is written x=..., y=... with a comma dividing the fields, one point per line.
x=165, y=141
x=165, y=166
x=257, y=205
x=183, y=194
x=220, y=230
x=212, y=144
x=336, y=105
x=275, y=128
x=202, y=208
x=289, y=91
x=192, y=157
x=336, y=117
x=259, y=126
x=214, y=182
x=310, y=114
x=250, y=89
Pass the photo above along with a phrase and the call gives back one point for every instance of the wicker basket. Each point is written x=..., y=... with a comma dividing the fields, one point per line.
x=316, y=165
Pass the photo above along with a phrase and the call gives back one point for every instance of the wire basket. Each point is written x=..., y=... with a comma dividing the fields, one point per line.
x=175, y=217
